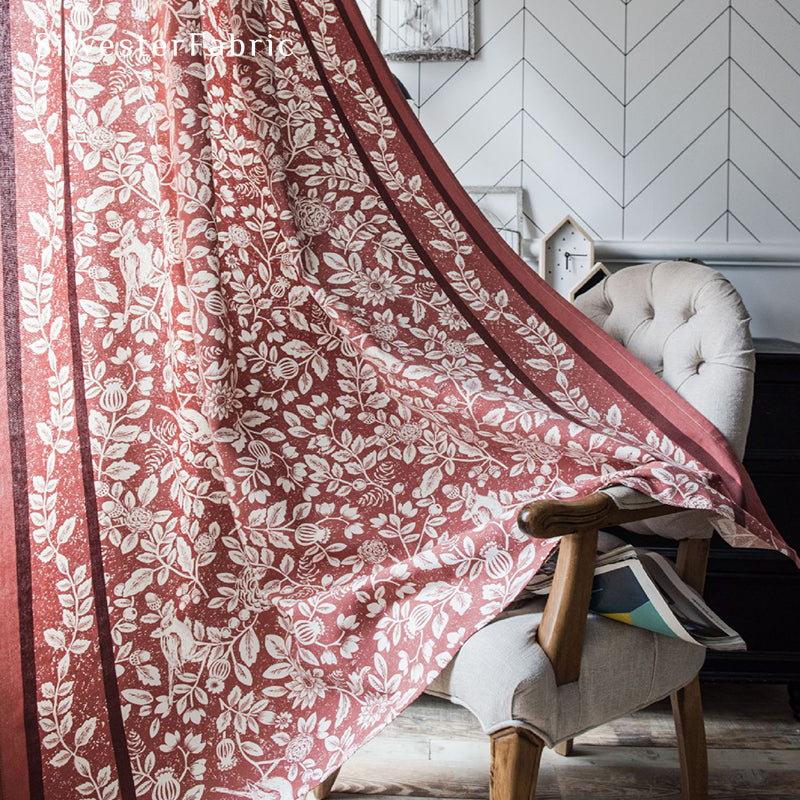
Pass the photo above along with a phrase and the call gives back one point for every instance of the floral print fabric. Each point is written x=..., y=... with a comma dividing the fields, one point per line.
x=277, y=394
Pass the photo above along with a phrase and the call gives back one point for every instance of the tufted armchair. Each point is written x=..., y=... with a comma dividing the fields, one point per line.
x=546, y=671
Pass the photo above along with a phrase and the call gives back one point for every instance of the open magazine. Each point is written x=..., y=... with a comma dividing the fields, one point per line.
x=642, y=588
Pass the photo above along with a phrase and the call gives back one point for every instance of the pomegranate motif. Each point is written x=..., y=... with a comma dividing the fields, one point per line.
x=308, y=631
x=278, y=286
x=419, y=618
x=226, y=753
x=307, y=534
x=219, y=669
x=114, y=396
x=215, y=303
x=498, y=562
x=284, y=370
x=81, y=17
x=167, y=786
x=261, y=452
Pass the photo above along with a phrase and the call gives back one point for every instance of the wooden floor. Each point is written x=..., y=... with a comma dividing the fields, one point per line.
x=435, y=749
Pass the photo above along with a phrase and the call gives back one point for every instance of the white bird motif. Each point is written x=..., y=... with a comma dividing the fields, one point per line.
x=137, y=265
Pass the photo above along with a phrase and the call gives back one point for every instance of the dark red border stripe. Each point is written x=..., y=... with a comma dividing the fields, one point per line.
x=494, y=247
x=115, y=723
x=16, y=420
x=432, y=268
x=487, y=248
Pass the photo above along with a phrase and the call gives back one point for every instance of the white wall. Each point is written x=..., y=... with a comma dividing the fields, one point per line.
x=650, y=121
x=772, y=296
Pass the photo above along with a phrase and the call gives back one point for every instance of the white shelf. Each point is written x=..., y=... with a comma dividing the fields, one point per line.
x=713, y=254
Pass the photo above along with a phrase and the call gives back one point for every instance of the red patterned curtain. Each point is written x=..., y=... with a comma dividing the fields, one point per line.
x=276, y=393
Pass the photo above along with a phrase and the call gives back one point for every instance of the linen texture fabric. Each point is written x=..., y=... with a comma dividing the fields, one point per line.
x=276, y=393
x=688, y=324
x=505, y=679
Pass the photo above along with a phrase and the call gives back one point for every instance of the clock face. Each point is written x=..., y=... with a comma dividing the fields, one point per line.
x=566, y=257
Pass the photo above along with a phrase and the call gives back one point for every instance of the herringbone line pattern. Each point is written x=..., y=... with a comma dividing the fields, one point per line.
x=644, y=119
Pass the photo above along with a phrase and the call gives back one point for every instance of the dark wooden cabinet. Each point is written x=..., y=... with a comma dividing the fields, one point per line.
x=757, y=591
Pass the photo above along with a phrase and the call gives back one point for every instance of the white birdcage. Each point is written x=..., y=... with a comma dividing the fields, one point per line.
x=425, y=30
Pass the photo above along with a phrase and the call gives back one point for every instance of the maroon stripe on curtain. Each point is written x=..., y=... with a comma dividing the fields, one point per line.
x=106, y=646
x=607, y=357
x=20, y=748
x=15, y=604
x=496, y=348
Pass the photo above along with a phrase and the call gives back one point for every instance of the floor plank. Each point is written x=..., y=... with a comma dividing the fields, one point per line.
x=435, y=749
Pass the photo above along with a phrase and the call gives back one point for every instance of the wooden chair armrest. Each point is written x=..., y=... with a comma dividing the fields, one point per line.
x=545, y=519
x=563, y=624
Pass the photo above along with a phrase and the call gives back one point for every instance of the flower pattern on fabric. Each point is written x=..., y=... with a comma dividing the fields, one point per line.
x=308, y=449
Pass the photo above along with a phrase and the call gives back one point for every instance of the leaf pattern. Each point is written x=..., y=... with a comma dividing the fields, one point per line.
x=309, y=400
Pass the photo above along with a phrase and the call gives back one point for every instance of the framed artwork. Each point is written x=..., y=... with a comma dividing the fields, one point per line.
x=502, y=206
x=424, y=30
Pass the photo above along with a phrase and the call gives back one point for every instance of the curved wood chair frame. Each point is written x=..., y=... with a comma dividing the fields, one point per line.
x=516, y=752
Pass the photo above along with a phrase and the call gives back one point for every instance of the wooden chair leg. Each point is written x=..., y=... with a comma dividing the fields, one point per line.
x=687, y=711
x=324, y=789
x=515, y=764
x=564, y=748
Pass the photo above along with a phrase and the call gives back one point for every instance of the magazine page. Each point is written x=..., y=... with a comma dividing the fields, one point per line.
x=641, y=588
x=624, y=591
x=689, y=607
x=610, y=549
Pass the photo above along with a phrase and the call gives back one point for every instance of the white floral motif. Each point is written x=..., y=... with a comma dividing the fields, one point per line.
x=307, y=463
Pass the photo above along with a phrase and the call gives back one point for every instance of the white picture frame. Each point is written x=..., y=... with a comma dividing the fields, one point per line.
x=503, y=207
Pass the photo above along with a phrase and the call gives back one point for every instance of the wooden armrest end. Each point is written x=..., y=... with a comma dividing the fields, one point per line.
x=563, y=624
x=544, y=519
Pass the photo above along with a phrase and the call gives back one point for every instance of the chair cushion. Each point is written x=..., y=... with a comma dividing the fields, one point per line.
x=504, y=678
x=688, y=324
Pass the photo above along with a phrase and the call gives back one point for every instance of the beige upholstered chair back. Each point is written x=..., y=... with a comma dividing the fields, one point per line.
x=688, y=324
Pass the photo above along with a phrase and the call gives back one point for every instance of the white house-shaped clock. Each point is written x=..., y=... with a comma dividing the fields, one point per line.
x=566, y=259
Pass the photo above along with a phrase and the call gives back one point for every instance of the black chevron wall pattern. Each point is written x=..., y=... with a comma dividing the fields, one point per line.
x=647, y=120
